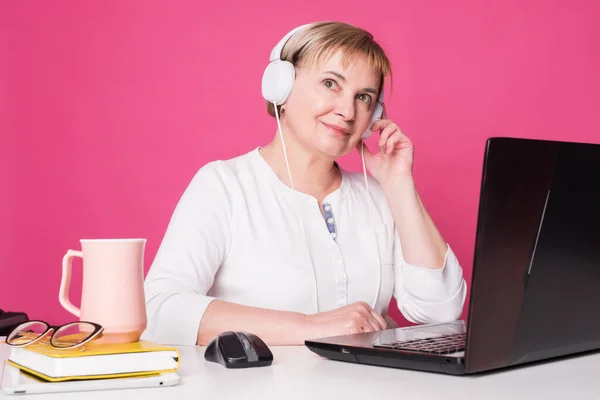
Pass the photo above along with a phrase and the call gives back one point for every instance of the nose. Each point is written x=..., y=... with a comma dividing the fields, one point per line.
x=345, y=108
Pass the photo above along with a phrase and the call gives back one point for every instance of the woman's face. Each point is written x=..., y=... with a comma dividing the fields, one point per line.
x=331, y=105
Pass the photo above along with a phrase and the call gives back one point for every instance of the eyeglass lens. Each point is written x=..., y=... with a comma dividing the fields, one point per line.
x=28, y=332
x=72, y=334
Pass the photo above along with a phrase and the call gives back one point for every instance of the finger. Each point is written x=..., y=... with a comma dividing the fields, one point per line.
x=390, y=322
x=391, y=143
x=368, y=324
x=362, y=326
x=379, y=319
x=380, y=124
x=374, y=319
x=374, y=325
x=363, y=307
x=398, y=137
x=363, y=319
x=403, y=137
x=386, y=133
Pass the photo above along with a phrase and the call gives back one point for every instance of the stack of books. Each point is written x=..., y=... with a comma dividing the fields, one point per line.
x=95, y=360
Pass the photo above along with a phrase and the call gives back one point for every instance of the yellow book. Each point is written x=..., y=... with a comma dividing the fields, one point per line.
x=95, y=360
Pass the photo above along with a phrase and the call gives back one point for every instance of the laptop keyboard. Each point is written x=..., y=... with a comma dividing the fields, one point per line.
x=435, y=345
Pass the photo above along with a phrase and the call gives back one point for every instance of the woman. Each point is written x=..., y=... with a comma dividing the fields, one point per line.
x=284, y=243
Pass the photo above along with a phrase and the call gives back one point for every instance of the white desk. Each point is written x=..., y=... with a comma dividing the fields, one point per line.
x=297, y=373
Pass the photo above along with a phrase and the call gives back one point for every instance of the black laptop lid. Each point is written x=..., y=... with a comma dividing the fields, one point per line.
x=536, y=274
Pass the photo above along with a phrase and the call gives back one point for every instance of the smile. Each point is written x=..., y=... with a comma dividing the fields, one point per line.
x=337, y=129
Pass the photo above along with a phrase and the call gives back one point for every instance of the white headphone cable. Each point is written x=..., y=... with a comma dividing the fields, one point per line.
x=362, y=156
x=287, y=164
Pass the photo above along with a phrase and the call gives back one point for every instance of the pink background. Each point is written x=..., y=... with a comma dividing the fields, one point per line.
x=108, y=108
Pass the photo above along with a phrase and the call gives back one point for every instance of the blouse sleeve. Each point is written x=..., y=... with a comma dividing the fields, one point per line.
x=194, y=246
x=426, y=295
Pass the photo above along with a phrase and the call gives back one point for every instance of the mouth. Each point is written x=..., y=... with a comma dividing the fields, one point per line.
x=338, y=130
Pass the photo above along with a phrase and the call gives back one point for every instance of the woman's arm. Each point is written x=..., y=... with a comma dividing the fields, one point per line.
x=274, y=327
x=422, y=243
x=429, y=283
x=429, y=286
x=193, y=248
x=285, y=327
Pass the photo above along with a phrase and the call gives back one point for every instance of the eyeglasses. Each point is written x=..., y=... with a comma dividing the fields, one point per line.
x=67, y=336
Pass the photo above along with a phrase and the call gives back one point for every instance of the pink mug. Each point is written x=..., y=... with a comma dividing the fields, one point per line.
x=112, y=289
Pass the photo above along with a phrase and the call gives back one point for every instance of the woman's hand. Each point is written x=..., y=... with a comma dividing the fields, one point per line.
x=354, y=318
x=394, y=158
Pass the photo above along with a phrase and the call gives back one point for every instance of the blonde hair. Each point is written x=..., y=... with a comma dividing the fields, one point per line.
x=322, y=39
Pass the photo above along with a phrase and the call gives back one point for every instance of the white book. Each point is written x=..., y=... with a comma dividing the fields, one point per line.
x=95, y=360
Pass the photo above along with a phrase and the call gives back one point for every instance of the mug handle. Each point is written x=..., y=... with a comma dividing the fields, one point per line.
x=63, y=293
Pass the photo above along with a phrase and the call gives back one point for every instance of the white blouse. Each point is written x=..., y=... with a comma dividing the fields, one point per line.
x=236, y=235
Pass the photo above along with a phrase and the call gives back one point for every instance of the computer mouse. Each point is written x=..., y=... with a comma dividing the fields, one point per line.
x=238, y=350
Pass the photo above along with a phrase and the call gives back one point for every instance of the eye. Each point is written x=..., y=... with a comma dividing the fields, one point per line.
x=330, y=83
x=365, y=98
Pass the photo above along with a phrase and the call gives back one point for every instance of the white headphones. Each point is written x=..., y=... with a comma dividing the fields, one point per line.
x=278, y=80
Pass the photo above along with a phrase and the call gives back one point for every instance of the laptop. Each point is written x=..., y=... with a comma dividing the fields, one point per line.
x=535, y=288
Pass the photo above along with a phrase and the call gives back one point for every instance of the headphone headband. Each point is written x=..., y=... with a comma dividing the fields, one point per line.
x=276, y=52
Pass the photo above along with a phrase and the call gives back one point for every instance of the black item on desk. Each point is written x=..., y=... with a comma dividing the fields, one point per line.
x=536, y=270
x=10, y=320
x=238, y=350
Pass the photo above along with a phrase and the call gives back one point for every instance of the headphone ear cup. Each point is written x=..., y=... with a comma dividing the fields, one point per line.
x=278, y=80
x=376, y=117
